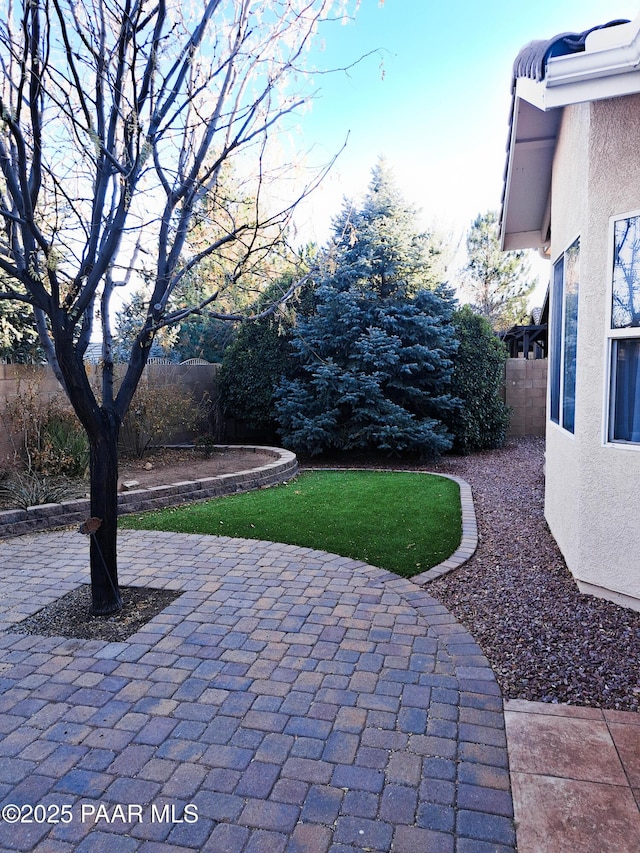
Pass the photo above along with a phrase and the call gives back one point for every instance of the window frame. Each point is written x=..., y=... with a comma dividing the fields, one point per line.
x=558, y=339
x=613, y=336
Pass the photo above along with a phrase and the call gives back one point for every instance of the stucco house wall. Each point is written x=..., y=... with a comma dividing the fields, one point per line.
x=610, y=481
x=592, y=499
x=569, y=196
x=575, y=129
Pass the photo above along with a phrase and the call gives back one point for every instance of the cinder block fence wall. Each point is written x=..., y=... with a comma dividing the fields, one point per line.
x=525, y=391
x=198, y=378
x=12, y=378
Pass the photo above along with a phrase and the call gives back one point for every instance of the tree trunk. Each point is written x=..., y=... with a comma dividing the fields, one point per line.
x=103, y=448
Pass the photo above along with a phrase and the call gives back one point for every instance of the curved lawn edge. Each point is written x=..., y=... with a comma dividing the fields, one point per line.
x=469, y=539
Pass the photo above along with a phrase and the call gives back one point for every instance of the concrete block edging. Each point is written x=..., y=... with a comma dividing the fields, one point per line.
x=16, y=522
x=468, y=541
x=35, y=519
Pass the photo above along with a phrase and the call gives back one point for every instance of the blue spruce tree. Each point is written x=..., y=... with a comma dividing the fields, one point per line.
x=374, y=358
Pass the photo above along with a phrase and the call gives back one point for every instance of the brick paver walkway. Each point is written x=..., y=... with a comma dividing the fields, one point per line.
x=288, y=701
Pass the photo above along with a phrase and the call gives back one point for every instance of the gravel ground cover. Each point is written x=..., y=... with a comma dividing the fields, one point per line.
x=70, y=616
x=545, y=640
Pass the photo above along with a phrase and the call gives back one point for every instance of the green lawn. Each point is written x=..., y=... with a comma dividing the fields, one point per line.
x=404, y=522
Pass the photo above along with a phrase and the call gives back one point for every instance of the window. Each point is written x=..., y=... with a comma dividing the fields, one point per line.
x=624, y=396
x=564, y=338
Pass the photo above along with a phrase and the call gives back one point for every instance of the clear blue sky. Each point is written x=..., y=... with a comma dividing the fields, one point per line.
x=434, y=99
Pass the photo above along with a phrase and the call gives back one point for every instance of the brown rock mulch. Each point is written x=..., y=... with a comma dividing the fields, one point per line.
x=70, y=616
x=545, y=640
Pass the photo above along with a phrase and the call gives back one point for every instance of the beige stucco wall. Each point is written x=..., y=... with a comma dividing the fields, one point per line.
x=592, y=499
x=569, y=201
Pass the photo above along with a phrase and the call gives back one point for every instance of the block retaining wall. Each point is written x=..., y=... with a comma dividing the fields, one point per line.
x=15, y=522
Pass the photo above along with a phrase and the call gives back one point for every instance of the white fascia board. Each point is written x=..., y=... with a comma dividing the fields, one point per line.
x=577, y=67
x=533, y=91
x=523, y=240
x=593, y=89
x=550, y=96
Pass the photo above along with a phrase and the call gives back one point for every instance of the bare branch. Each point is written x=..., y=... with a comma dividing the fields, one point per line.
x=235, y=317
x=14, y=296
x=118, y=121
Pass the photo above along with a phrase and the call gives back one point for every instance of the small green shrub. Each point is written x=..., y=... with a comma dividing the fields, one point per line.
x=252, y=367
x=481, y=420
x=205, y=445
x=23, y=489
x=65, y=447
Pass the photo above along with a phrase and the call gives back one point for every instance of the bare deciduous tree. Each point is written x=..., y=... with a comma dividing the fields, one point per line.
x=117, y=119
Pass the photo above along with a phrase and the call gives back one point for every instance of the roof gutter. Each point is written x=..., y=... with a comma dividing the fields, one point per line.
x=607, y=53
x=609, y=67
x=589, y=81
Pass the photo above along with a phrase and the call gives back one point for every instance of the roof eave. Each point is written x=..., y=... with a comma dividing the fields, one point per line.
x=591, y=77
x=525, y=206
x=610, y=56
x=608, y=68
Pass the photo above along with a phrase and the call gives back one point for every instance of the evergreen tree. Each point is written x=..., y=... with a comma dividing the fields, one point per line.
x=257, y=359
x=128, y=321
x=232, y=287
x=252, y=366
x=19, y=342
x=375, y=356
x=498, y=282
x=481, y=419
x=379, y=244
x=204, y=337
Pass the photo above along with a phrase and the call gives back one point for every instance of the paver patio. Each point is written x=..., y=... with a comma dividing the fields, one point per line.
x=289, y=700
